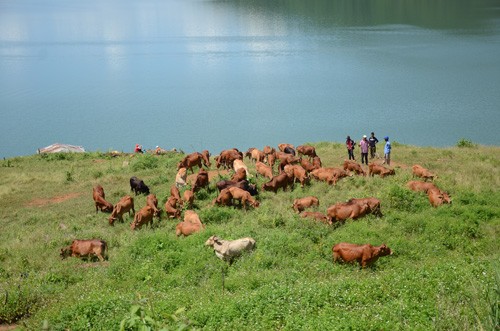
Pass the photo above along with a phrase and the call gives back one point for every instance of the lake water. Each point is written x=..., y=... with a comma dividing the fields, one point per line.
x=194, y=74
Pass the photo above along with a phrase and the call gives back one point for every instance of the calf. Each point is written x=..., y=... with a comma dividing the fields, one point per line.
x=225, y=198
x=374, y=169
x=373, y=204
x=355, y=167
x=100, y=202
x=188, y=197
x=137, y=185
x=343, y=211
x=143, y=217
x=243, y=196
x=171, y=208
x=152, y=202
x=317, y=216
x=300, y=204
x=264, y=170
x=228, y=250
x=85, y=248
x=279, y=181
x=299, y=174
x=201, y=181
x=438, y=197
x=190, y=161
x=126, y=204
x=419, y=171
x=364, y=254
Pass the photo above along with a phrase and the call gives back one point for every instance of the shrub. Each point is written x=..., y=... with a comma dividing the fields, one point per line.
x=465, y=143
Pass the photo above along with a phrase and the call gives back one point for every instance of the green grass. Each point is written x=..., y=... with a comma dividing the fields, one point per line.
x=443, y=274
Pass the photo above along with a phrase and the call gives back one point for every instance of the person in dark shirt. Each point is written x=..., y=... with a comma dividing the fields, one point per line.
x=373, y=142
x=350, y=144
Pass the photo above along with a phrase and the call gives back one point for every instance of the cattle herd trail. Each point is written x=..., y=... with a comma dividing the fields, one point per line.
x=40, y=202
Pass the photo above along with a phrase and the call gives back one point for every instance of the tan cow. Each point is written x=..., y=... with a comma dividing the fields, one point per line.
x=188, y=196
x=317, y=216
x=419, y=171
x=143, y=217
x=225, y=198
x=100, y=201
x=126, y=204
x=243, y=196
x=355, y=167
x=180, y=178
x=306, y=202
x=298, y=173
x=375, y=169
x=263, y=169
x=239, y=164
x=152, y=202
x=364, y=254
x=85, y=248
x=342, y=211
x=171, y=208
x=228, y=250
x=190, y=225
x=438, y=197
x=419, y=186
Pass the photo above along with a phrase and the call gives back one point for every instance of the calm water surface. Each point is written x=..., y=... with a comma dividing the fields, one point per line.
x=195, y=74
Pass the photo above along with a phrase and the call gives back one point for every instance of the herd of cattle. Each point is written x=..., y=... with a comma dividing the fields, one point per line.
x=294, y=165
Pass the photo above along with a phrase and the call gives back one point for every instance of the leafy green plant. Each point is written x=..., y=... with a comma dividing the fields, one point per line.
x=465, y=143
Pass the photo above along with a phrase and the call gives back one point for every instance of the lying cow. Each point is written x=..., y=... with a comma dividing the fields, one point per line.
x=343, y=211
x=373, y=204
x=85, y=248
x=419, y=186
x=300, y=204
x=143, y=217
x=228, y=250
x=125, y=205
x=438, y=197
x=375, y=169
x=354, y=167
x=419, y=171
x=137, y=185
x=190, y=225
x=317, y=216
x=364, y=254
x=100, y=201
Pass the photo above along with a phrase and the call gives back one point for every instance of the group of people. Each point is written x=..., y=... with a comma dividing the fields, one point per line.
x=368, y=144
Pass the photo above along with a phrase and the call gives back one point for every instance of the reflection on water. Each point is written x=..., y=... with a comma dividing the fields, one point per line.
x=189, y=74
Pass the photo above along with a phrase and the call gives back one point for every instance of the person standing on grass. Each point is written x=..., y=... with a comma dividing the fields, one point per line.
x=373, y=141
x=387, y=151
x=350, y=144
x=364, y=150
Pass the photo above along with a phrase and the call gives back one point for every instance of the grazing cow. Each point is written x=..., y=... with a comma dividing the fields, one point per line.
x=308, y=166
x=239, y=164
x=143, y=217
x=298, y=173
x=180, y=178
x=300, y=204
x=419, y=186
x=317, y=216
x=374, y=169
x=269, y=150
x=239, y=175
x=355, y=167
x=225, y=198
x=271, y=158
x=263, y=169
x=152, y=202
x=438, y=197
x=243, y=184
x=228, y=250
x=137, y=185
x=317, y=162
x=364, y=254
x=188, y=197
x=330, y=175
x=201, y=181
x=255, y=155
x=306, y=150
x=282, y=147
x=227, y=157
x=419, y=171
x=205, y=155
x=190, y=225
x=100, y=202
x=85, y=248
x=171, y=208
x=190, y=161
x=286, y=159
x=126, y=204
x=342, y=211
x=174, y=192
x=373, y=204
x=243, y=196
x=283, y=180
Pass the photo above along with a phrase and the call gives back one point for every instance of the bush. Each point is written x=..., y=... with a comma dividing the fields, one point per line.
x=465, y=143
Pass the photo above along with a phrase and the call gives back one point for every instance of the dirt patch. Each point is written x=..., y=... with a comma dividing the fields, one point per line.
x=40, y=202
x=6, y=327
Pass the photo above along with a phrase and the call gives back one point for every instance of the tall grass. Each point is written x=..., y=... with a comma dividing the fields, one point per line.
x=443, y=274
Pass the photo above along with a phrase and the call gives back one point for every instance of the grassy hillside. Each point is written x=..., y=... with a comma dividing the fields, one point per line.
x=444, y=273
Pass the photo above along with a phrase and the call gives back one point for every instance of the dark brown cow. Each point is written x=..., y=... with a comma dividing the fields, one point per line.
x=342, y=211
x=373, y=203
x=100, y=201
x=419, y=186
x=243, y=196
x=126, y=204
x=201, y=181
x=263, y=169
x=317, y=216
x=438, y=197
x=143, y=217
x=152, y=202
x=306, y=150
x=364, y=254
x=279, y=181
x=355, y=167
x=302, y=203
x=375, y=169
x=419, y=171
x=190, y=161
x=171, y=208
x=85, y=248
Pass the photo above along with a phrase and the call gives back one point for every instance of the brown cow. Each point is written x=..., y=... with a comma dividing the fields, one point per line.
x=269, y=150
x=255, y=155
x=271, y=158
x=342, y=211
x=192, y=217
x=85, y=248
x=330, y=175
x=174, y=192
x=205, y=155
x=239, y=175
x=126, y=204
x=365, y=254
x=188, y=196
x=171, y=208
x=152, y=202
x=282, y=147
x=99, y=199
x=419, y=186
x=243, y=184
x=373, y=204
x=302, y=203
x=355, y=167
x=306, y=150
x=317, y=216
x=264, y=170
x=190, y=225
x=419, y=171
x=227, y=157
x=438, y=197
x=201, y=181
x=243, y=196
x=308, y=166
x=375, y=169
x=190, y=161
x=225, y=198
x=317, y=162
x=143, y=217
x=298, y=173
x=279, y=181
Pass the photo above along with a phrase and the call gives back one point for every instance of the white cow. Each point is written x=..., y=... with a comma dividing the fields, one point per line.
x=238, y=164
x=227, y=250
x=180, y=178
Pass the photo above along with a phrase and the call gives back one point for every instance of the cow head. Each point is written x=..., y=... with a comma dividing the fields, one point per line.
x=384, y=250
x=111, y=220
x=211, y=241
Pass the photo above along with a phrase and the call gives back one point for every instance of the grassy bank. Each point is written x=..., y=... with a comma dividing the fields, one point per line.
x=443, y=274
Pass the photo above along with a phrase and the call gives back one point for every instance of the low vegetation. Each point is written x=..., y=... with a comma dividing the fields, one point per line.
x=444, y=273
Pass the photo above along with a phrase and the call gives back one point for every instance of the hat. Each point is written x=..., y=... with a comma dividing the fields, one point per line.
x=364, y=136
x=386, y=138
x=157, y=146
